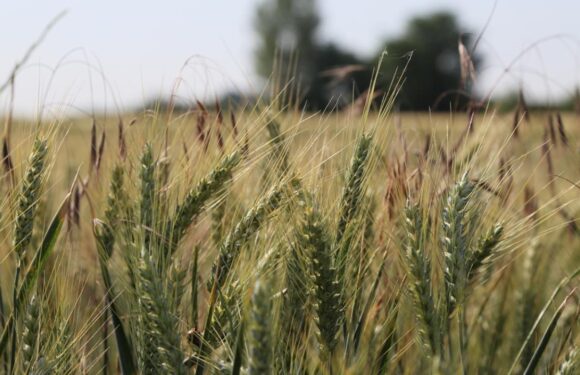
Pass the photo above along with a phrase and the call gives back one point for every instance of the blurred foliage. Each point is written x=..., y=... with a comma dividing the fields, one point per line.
x=428, y=50
x=325, y=75
x=290, y=53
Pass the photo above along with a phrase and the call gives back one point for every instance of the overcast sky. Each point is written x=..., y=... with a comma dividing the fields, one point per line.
x=140, y=47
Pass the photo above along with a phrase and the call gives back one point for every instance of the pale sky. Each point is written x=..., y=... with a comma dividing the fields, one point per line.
x=141, y=46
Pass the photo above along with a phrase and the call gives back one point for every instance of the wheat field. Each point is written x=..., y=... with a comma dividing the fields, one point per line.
x=263, y=241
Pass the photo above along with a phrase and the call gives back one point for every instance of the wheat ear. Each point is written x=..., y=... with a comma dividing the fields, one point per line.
x=260, y=341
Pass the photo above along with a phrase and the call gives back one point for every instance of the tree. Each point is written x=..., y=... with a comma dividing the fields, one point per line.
x=429, y=50
x=341, y=77
x=287, y=33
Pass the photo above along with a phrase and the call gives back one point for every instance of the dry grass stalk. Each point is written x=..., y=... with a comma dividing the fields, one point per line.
x=471, y=119
x=398, y=189
x=521, y=113
x=31, y=49
x=361, y=102
x=523, y=105
x=484, y=186
x=426, y=147
x=561, y=130
x=547, y=154
x=246, y=146
x=402, y=139
x=75, y=206
x=516, y=123
x=460, y=141
x=7, y=161
x=6, y=157
x=466, y=65
x=185, y=150
x=530, y=202
x=200, y=125
x=446, y=160
x=94, y=151
x=122, y=143
x=234, y=124
x=506, y=179
x=100, y=152
x=219, y=113
x=201, y=107
x=219, y=125
x=571, y=222
x=551, y=131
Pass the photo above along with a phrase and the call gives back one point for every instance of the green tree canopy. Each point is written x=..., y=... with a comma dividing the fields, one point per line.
x=430, y=47
x=287, y=32
x=287, y=37
x=325, y=75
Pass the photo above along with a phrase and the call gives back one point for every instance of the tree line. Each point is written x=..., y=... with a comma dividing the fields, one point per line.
x=325, y=75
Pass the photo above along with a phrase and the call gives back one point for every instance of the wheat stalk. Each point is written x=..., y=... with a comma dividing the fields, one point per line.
x=260, y=332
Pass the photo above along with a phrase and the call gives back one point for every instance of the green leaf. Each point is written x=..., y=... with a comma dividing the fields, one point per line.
x=124, y=346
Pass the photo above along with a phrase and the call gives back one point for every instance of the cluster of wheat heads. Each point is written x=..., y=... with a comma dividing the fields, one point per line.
x=278, y=244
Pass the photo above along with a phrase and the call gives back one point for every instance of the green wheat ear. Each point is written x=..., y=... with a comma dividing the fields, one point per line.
x=147, y=203
x=312, y=236
x=350, y=204
x=418, y=268
x=218, y=215
x=159, y=346
x=194, y=202
x=65, y=360
x=29, y=196
x=117, y=197
x=248, y=225
x=487, y=244
x=353, y=190
x=454, y=240
x=260, y=332
x=570, y=365
x=105, y=237
x=296, y=294
x=279, y=151
x=30, y=333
